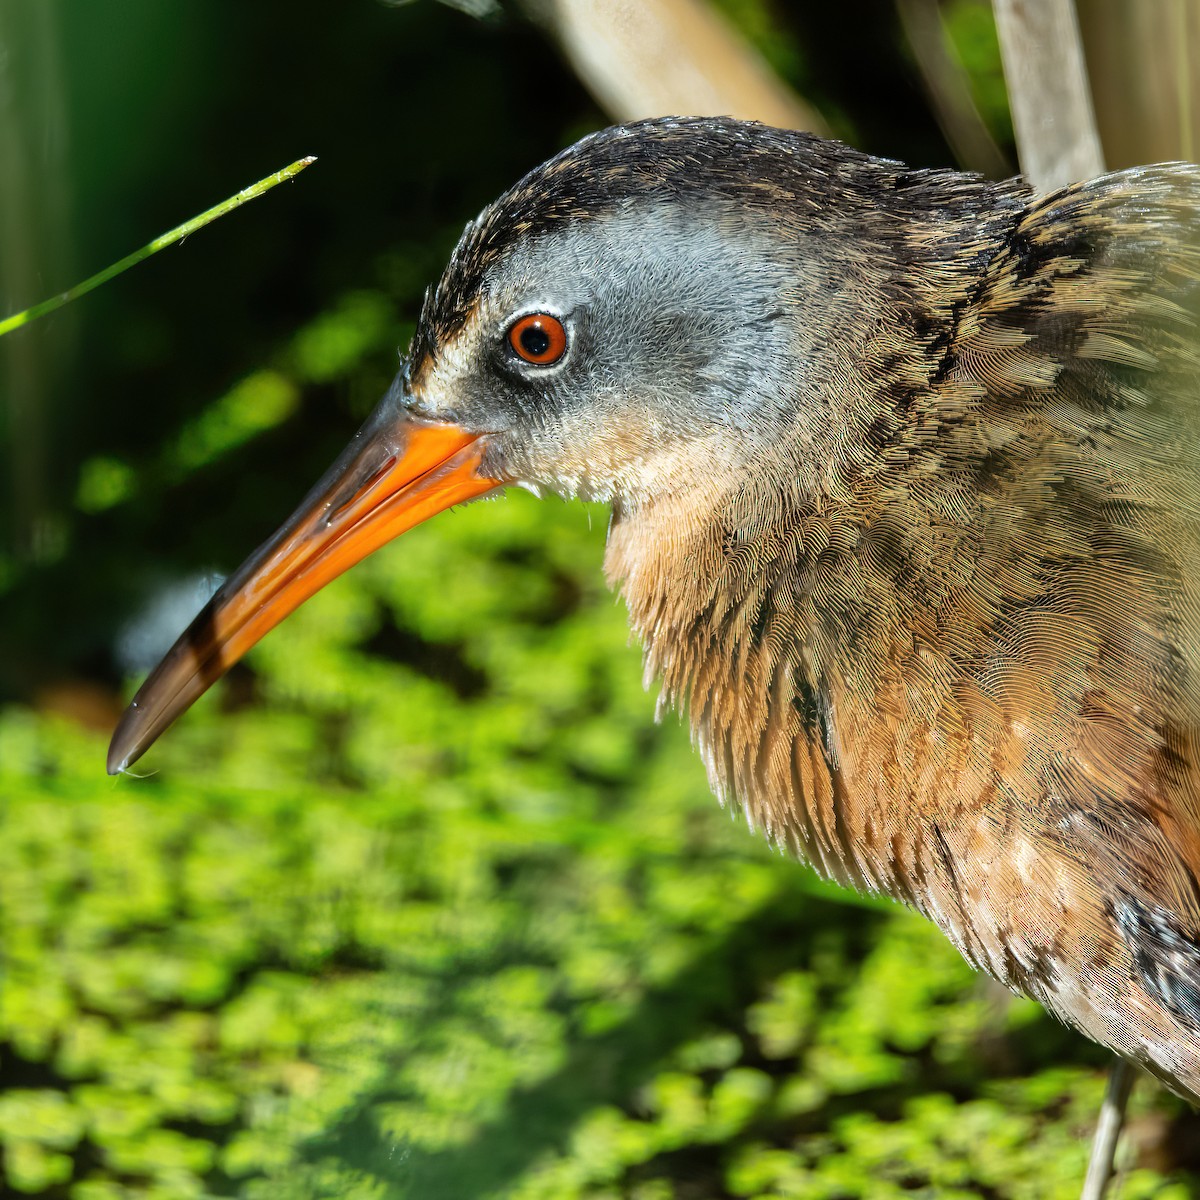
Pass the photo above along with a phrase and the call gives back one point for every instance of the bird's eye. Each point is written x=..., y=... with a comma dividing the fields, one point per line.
x=539, y=339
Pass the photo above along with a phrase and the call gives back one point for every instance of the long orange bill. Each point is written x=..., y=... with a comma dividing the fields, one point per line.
x=397, y=472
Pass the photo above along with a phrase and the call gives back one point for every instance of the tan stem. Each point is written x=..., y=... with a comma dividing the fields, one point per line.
x=1048, y=91
x=653, y=58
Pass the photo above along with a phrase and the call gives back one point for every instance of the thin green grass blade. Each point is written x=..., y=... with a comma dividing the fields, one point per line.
x=159, y=243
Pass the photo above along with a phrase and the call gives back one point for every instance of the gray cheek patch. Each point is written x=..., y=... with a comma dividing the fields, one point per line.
x=682, y=310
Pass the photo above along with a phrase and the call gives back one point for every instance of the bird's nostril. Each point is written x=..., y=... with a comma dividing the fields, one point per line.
x=336, y=510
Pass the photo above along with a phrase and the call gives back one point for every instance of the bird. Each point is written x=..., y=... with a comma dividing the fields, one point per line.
x=904, y=476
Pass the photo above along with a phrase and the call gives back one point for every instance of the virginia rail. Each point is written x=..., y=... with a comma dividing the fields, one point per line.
x=904, y=468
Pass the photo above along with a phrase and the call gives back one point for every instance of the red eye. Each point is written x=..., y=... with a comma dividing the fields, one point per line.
x=539, y=339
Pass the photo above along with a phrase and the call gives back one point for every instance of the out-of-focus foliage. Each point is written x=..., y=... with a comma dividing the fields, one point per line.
x=421, y=903
x=972, y=34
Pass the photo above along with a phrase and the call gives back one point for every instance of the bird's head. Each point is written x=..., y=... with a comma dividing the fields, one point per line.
x=607, y=318
x=657, y=309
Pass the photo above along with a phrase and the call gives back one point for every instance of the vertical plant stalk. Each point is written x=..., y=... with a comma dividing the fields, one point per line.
x=34, y=237
x=656, y=58
x=949, y=90
x=1183, y=73
x=1048, y=91
x=159, y=243
x=1108, y=1130
x=1143, y=59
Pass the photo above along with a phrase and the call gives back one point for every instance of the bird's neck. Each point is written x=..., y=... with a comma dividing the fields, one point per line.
x=780, y=590
x=764, y=619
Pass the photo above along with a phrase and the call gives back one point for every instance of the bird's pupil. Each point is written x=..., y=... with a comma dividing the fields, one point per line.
x=535, y=341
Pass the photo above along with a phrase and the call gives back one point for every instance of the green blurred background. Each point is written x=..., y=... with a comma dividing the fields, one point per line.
x=420, y=902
